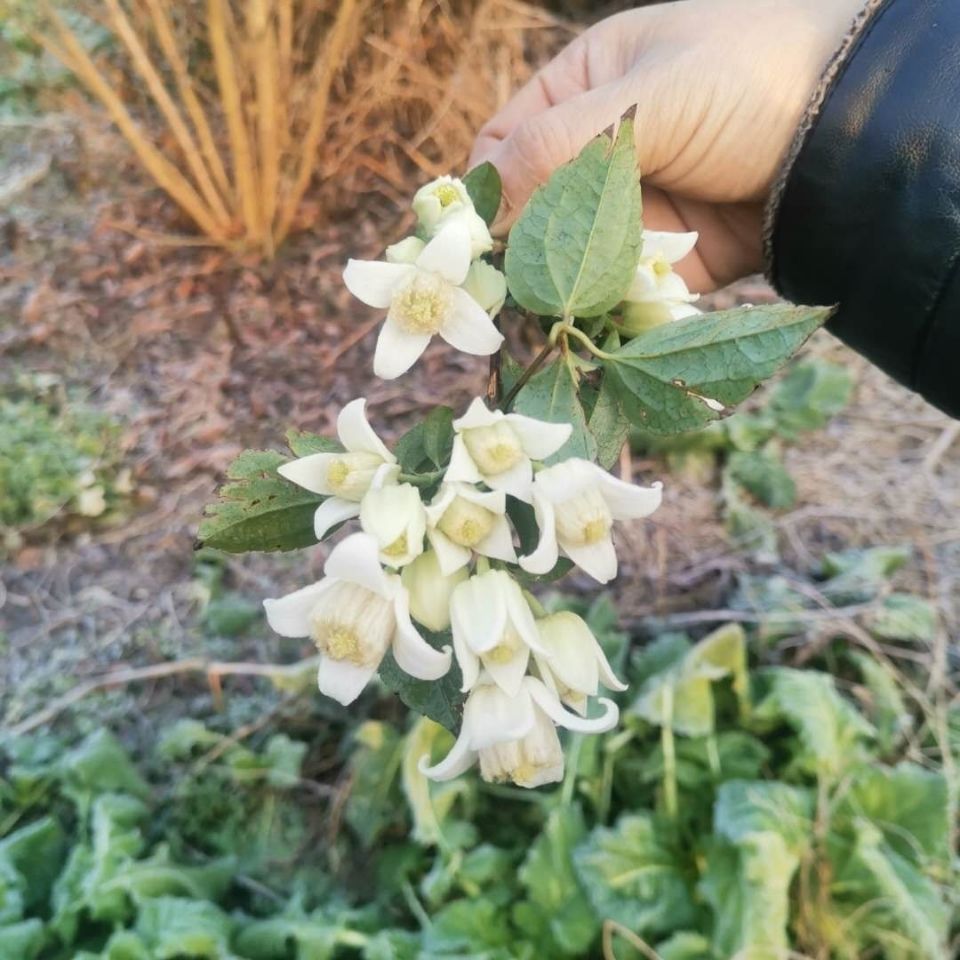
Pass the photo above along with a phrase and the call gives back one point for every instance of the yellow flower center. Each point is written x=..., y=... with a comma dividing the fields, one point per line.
x=396, y=549
x=447, y=194
x=422, y=305
x=352, y=624
x=337, y=474
x=661, y=268
x=494, y=449
x=466, y=523
x=337, y=640
x=506, y=649
x=584, y=519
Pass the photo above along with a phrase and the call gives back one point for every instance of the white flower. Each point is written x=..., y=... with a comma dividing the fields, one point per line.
x=462, y=519
x=395, y=517
x=487, y=285
x=574, y=664
x=514, y=737
x=657, y=294
x=444, y=201
x=353, y=615
x=422, y=299
x=430, y=590
x=495, y=448
x=344, y=478
x=493, y=626
x=576, y=503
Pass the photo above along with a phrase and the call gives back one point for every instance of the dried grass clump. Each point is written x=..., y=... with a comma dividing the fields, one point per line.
x=236, y=107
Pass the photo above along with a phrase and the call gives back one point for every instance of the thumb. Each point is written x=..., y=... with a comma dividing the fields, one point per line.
x=532, y=150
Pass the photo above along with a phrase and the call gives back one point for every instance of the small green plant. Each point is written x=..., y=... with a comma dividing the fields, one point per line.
x=56, y=458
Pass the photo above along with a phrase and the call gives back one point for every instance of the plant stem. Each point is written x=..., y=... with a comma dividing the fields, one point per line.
x=713, y=755
x=563, y=328
x=537, y=363
x=669, y=755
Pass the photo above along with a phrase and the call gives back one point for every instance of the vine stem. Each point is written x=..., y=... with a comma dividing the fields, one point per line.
x=669, y=755
x=536, y=364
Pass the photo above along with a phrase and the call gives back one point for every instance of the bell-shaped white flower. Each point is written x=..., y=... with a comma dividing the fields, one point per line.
x=658, y=295
x=422, y=299
x=344, y=478
x=576, y=503
x=497, y=449
x=354, y=614
x=462, y=519
x=574, y=664
x=493, y=627
x=446, y=200
x=430, y=590
x=394, y=516
x=514, y=737
x=487, y=285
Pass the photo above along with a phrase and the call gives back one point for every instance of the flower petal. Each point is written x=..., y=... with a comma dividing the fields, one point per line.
x=468, y=327
x=310, y=472
x=498, y=544
x=643, y=287
x=492, y=716
x=412, y=653
x=342, y=680
x=462, y=469
x=552, y=707
x=460, y=759
x=331, y=512
x=517, y=481
x=477, y=415
x=539, y=438
x=478, y=612
x=357, y=435
x=451, y=556
x=448, y=253
x=627, y=501
x=397, y=351
x=671, y=246
x=598, y=559
x=545, y=557
x=508, y=674
x=356, y=560
x=468, y=662
x=607, y=677
x=290, y=615
x=521, y=616
x=374, y=281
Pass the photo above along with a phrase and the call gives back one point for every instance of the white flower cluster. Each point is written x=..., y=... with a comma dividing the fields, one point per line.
x=658, y=295
x=445, y=564
x=433, y=283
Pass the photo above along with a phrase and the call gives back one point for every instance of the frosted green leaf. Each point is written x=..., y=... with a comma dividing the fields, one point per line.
x=374, y=768
x=745, y=808
x=682, y=375
x=884, y=701
x=552, y=395
x=576, y=246
x=809, y=395
x=632, y=874
x=763, y=475
x=608, y=424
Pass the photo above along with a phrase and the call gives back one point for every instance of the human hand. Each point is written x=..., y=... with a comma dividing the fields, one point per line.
x=720, y=88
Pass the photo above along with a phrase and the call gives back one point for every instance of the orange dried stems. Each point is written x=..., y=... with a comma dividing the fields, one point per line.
x=270, y=104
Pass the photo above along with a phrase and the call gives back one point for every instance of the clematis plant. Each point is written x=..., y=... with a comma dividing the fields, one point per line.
x=471, y=510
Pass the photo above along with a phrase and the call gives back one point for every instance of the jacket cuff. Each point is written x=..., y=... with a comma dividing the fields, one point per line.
x=866, y=212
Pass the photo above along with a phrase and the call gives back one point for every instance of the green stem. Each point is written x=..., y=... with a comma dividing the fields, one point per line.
x=536, y=364
x=669, y=755
x=539, y=610
x=483, y=564
x=573, y=762
x=713, y=756
x=565, y=329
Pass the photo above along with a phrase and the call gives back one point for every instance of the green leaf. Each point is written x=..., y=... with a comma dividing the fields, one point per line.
x=884, y=701
x=608, y=424
x=427, y=445
x=666, y=377
x=304, y=444
x=440, y=700
x=176, y=928
x=258, y=509
x=762, y=474
x=22, y=941
x=809, y=395
x=467, y=928
x=553, y=396
x=632, y=874
x=36, y=852
x=373, y=804
x=902, y=616
x=484, y=186
x=685, y=946
x=100, y=765
x=857, y=575
x=575, y=248
x=829, y=728
x=745, y=808
x=548, y=876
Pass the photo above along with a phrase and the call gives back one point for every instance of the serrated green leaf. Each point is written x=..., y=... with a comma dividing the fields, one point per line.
x=745, y=808
x=552, y=395
x=902, y=616
x=666, y=376
x=632, y=874
x=427, y=445
x=99, y=764
x=547, y=874
x=258, y=509
x=440, y=700
x=484, y=187
x=830, y=729
x=885, y=703
x=857, y=575
x=608, y=424
x=574, y=250
x=36, y=853
x=304, y=444
x=175, y=927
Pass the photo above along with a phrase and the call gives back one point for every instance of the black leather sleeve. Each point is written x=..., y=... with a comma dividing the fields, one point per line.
x=869, y=214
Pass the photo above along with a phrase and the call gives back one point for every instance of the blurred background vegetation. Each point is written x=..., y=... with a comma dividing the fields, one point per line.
x=180, y=185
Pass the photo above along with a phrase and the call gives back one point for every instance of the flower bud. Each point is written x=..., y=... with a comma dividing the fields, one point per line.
x=487, y=285
x=430, y=590
x=494, y=449
x=445, y=200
